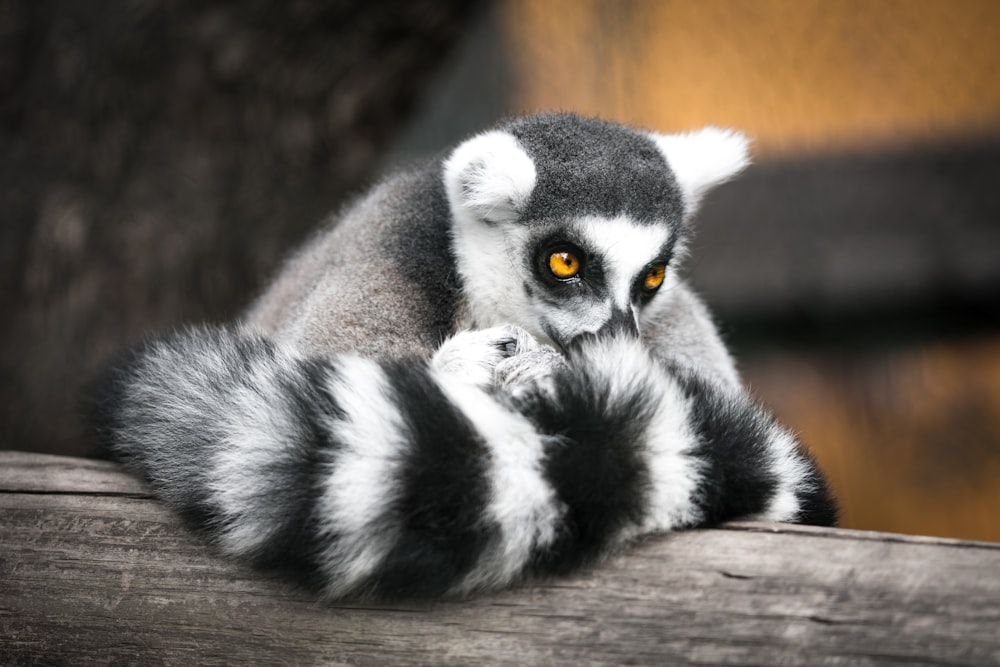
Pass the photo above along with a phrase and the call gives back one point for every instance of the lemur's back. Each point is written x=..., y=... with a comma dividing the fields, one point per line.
x=377, y=280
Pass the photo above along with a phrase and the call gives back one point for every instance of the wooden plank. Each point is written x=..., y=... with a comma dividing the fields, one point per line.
x=30, y=472
x=113, y=578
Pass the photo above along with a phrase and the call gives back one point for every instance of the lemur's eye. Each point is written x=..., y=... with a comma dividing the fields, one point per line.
x=564, y=264
x=654, y=277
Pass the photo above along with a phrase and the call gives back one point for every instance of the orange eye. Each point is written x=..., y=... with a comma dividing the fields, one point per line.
x=564, y=265
x=654, y=277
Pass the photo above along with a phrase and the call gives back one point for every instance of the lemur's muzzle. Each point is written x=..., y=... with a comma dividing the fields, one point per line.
x=621, y=323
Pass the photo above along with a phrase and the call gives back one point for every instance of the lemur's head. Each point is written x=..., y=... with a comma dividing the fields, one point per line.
x=566, y=225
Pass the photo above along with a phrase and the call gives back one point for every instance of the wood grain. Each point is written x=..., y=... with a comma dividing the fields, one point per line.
x=93, y=571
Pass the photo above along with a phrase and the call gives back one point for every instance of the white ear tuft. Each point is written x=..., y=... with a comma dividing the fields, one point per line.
x=489, y=176
x=703, y=159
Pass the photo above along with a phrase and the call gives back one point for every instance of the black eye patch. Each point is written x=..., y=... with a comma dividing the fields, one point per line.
x=652, y=277
x=565, y=266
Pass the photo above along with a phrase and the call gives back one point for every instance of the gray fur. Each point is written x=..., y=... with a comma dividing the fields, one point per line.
x=683, y=333
x=594, y=167
x=379, y=279
x=376, y=281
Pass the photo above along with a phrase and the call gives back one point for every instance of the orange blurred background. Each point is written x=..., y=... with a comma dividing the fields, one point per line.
x=909, y=433
x=798, y=75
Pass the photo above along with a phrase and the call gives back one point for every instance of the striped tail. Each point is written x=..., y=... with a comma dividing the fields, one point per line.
x=362, y=477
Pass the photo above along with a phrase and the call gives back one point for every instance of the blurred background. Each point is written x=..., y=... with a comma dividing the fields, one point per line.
x=158, y=158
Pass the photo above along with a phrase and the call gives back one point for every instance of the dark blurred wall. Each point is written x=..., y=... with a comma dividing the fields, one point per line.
x=158, y=157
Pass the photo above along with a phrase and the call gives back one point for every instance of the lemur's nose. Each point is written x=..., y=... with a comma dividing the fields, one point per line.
x=621, y=322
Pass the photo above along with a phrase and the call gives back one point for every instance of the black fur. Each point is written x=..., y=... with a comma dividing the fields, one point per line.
x=818, y=507
x=732, y=439
x=587, y=166
x=594, y=464
x=297, y=477
x=444, y=492
x=426, y=259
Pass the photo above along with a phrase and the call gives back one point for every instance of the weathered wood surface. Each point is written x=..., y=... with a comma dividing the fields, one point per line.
x=94, y=571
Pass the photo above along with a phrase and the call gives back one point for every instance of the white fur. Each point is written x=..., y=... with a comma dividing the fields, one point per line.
x=522, y=502
x=489, y=178
x=627, y=368
x=472, y=356
x=257, y=430
x=792, y=472
x=674, y=474
x=627, y=246
x=490, y=263
x=703, y=159
x=528, y=372
x=362, y=474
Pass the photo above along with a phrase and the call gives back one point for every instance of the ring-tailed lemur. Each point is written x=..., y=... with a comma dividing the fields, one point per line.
x=485, y=369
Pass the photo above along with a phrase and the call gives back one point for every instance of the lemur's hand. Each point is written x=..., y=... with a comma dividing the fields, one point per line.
x=533, y=370
x=473, y=356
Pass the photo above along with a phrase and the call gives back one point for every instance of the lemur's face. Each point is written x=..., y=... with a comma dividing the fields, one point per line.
x=567, y=233
x=592, y=275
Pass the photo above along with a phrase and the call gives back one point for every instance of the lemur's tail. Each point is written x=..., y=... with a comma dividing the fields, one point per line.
x=366, y=477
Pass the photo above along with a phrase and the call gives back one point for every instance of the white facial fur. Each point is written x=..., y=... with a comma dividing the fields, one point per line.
x=626, y=248
x=493, y=261
x=489, y=180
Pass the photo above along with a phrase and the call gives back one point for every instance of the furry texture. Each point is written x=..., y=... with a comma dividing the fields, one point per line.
x=703, y=159
x=340, y=472
x=421, y=405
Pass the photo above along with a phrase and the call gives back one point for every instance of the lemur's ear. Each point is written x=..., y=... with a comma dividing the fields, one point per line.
x=490, y=177
x=703, y=159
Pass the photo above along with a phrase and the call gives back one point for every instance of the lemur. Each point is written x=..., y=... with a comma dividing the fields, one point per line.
x=485, y=369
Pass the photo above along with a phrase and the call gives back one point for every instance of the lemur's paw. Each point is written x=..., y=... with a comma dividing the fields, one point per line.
x=534, y=370
x=473, y=355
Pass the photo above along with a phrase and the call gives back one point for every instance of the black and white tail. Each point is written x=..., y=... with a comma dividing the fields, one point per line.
x=364, y=477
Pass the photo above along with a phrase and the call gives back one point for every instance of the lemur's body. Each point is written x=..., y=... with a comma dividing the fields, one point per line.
x=486, y=368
